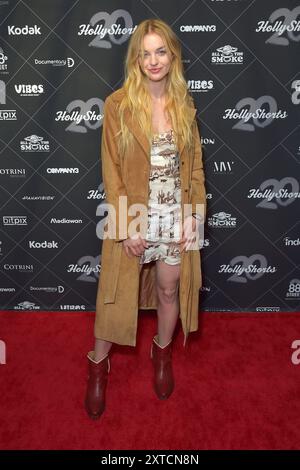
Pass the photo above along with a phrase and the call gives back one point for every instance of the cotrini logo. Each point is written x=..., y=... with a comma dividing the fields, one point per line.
x=196, y=86
x=23, y=268
x=29, y=89
x=227, y=55
x=14, y=220
x=34, y=143
x=26, y=30
x=13, y=172
x=221, y=220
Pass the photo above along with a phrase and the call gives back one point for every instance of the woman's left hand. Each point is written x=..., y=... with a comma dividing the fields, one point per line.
x=189, y=233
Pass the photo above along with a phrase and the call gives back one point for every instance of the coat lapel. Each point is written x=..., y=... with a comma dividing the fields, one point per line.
x=141, y=138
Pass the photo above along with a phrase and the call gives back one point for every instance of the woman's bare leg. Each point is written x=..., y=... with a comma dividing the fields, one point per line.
x=101, y=349
x=167, y=277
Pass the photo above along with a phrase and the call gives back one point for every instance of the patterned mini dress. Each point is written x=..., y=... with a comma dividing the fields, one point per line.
x=164, y=202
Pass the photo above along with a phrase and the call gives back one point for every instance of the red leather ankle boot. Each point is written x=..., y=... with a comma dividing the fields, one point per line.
x=96, y=386
x=163, y=373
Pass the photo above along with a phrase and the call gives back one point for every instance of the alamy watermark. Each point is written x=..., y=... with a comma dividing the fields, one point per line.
x=160, y=222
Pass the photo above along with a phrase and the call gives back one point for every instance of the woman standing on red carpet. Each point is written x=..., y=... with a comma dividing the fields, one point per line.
x=154, y=183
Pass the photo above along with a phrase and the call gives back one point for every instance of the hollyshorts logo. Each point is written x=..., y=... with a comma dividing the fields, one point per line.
x=196, y=86
x=247, y=268
x=34, y=143
x=284, y=25
x=67, y=62
x=227, y=55
x=293, y=292
x=137, y=221
x=252, y=113
x=221, y=220
x=84, y=119
x=277, y=196
x=3, y=60
x=115, y=28
x=97, y=194
x=88, y=268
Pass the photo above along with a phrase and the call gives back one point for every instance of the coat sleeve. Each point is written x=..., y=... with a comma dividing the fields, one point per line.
x=111, y=173
x=198, y=178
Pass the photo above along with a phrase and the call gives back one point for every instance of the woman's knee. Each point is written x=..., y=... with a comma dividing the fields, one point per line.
x=167, y=295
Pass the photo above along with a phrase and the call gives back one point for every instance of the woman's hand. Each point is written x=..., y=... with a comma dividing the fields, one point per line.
x=135, y=246
x=189, y=233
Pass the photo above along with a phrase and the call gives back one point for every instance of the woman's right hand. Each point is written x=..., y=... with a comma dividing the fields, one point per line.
x=135, y=246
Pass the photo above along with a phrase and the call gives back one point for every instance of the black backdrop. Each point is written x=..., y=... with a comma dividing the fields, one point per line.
x=59, y=60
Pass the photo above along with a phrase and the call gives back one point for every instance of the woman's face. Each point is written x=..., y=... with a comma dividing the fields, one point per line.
x=157, y=59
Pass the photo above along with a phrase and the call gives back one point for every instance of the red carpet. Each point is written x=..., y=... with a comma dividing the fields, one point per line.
x=236, y=387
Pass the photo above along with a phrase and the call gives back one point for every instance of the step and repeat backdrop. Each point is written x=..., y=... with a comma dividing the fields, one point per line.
x=59, y=59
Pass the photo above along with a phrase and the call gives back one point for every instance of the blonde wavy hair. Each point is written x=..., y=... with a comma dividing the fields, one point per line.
x=137, y=97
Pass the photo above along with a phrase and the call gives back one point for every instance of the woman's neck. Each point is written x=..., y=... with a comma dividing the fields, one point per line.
x=157, y=90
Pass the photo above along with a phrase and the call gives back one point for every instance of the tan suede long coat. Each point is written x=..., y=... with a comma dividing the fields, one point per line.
x=122, y=288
